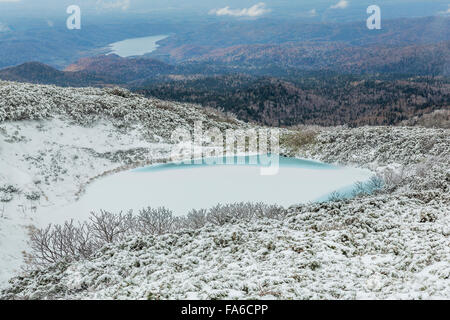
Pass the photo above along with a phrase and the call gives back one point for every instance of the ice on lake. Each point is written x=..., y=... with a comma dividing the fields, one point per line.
x=185, y=187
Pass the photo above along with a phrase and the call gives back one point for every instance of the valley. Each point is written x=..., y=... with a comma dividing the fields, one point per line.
x=279, y=73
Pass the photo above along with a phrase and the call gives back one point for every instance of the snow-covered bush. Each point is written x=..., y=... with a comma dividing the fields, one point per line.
x=300, y=138
x=33, y=196
x=221, y=214
x=335, y=196
x=10, y=189
x=156, y=221
x=74, y=241
x=7, y=192
x=6, y=197
x=391, y=246
x=86, y=106
x=56, y=243
x=107, y=227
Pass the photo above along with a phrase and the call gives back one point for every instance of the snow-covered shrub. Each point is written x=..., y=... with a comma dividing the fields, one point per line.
x=71, y=242
x=375, y=183
x=305, y=256
x=196, y=219
x=222, y=214
x=33, y=196
x=436, y=119
x=297, y=140
x=74, y=241
x=7, y=192
x=10, y=189
x=335, y=196
x=427, y=217
x=156, y=221
x=6, y=197
x=86, y=106
x=360, y=189
x=107, y=227
x=118, y=91
x=56, y=243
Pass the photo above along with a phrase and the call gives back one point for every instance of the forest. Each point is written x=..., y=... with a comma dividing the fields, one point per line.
x=320, y=99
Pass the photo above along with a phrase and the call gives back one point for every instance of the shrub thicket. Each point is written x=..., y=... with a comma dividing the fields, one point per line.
x=74, y=241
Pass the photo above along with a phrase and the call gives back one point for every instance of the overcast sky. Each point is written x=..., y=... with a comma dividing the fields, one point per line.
x=223, y=8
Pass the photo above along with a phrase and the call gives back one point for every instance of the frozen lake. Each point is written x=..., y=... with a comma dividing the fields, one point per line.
x=136, y=46
x=185, y=187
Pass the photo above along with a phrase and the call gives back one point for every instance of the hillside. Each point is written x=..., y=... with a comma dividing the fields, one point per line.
x=269, y=93
x=390, y=244
x=227, y=35
x=122, y=70
x=431, y=59
x=103, y=70
x=320, y=99
x=55, y=141
x=39, y=73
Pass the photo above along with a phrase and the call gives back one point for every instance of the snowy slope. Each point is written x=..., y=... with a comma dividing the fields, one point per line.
x=394, y=244
x=55, y=141
x=372, y=248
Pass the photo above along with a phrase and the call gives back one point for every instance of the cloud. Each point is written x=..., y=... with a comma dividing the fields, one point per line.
x=10, y=0
x=342, y=4
x=4, y=27
x=113, y=4
x=312, y=12
x=445, y=12
x=254, y=11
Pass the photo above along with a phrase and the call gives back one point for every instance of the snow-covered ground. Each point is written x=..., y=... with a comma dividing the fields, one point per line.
x=372, y=248
x=55, y=141
x=394, y=244
x=54, y=161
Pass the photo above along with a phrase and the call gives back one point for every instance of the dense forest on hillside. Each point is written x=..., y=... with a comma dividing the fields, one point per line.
x=286, y=97
x=417, y=60
x=322, y=100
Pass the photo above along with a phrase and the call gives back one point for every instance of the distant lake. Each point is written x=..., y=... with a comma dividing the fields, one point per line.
x=136, y=46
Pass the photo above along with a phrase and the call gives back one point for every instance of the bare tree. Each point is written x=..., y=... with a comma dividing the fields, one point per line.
x=61, y=242
x=335, y=196
x=375, y=183
x=196, y=219
x=74, y=241
x=108, y=227
x=156, y=221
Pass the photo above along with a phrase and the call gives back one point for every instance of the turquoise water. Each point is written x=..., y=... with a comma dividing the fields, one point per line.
x=182, y=187
x=253, y=160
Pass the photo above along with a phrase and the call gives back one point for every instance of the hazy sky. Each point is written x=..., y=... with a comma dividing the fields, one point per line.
x=223, y=8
